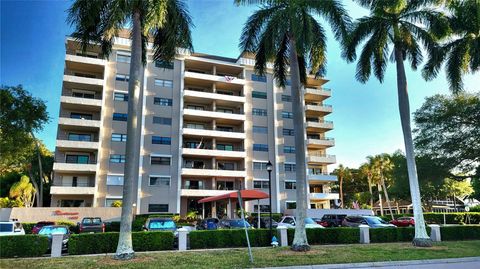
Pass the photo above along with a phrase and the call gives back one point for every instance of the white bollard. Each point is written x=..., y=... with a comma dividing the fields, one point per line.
x=364, y=234
x=182, y=239
x=435, y=233
x=57, y=245
x=283, y=236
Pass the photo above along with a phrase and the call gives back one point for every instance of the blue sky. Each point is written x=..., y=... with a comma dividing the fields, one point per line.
x=366, y=116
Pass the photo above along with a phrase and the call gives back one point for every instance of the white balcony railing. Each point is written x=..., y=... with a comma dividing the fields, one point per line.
x=72, y=190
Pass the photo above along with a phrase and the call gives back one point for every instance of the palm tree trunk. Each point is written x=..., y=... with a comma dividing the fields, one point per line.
x=386, y=197
x=124, y=247
x=40, y=171
x=421, y=237
x=300, y=242
x=380, y=199
x=341, y=192
x=371, y=192
x=35, y=185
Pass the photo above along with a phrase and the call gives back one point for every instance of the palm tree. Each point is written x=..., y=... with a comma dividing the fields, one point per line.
x=165, y=23
x=366, y=171
x=23, y=191
x=461, y=50
x=286, y=33
x=384, y=167
x=401, y=24
x=342, y=174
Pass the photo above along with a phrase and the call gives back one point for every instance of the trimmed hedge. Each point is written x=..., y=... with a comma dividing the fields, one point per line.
x=275, y=216
x=28, y=226
x=452, y=233
x=399, y=234
x=341, y=235
x=450, y=218
x=107, y=242
x=229, y=238
x=30, y=245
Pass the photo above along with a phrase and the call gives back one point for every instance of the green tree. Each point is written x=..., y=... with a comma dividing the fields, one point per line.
x=400, y=24
x=383, y=166
x=457, y=189
x=165, y=23
x=23, y=191
x=343, y=173
x=366, y=171
x=116, y=203
x=460, y=49
x=287, y=33
x=448, y=132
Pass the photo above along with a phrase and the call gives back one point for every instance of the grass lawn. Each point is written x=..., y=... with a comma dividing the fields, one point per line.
x=238, y=258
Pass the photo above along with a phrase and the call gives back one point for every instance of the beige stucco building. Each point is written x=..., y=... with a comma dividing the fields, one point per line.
x=209, y=126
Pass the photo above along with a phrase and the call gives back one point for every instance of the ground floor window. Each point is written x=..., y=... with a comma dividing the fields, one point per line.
x=72, y=203
x=263, y=208
x=110, y=201
x=291, y=205
x=157, y=207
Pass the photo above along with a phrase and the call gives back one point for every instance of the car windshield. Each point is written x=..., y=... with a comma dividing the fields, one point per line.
x=239, y=223
x=375, y=220
x=92, y=221
x=41, y=224
x=162, y=224
x=309, y=221
x=48, y=230
x=6, y=227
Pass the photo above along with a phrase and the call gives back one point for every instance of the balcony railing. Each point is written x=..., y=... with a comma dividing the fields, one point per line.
x=208, y=128
x=320, y=121
x=80, y=184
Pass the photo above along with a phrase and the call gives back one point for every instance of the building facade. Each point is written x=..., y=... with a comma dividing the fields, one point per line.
x=209, y=126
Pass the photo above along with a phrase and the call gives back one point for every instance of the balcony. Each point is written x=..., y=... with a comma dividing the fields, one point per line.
x=214, y=96
x=84, y=168
x=323, y=196
x=202, y=192
x=320, y=143
x=214, y=78
x=240, y=154
x=319, y=126
x=321, y=158
x=213, y=133
x=213, y=172
x=76, y=80
x=194, y=113
x=72, y=59
x=321, y=177
x=317, y=110
x=81, y=103
x=87, y=124
x=74, y=145
x=71, y=190
x=315, y=94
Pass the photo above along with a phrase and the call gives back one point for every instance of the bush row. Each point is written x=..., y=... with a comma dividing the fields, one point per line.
x=27, y=226
x=450, y=218
x=229, y=238
x=275, y=216
x=30, y=245
x=452, y=233
x=343, y=235
x=107, y=242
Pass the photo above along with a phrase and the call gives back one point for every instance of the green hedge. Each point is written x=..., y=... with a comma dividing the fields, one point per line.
x=107, y=242
x=452, y=233
x=450, y=218
x=399, y=234
x=342, y=235
x=229, y=238
x=275, y=216
x=30, y=245
x=27, y=226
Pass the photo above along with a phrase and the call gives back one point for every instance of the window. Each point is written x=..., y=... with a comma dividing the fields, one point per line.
x=259, y=95
x=195, y=107
x=160, y=160
x=225, y=92
x=225, y=128
x=84, y=159
x=261, y=184
x=162, y=120
x=291, y=205
x=225, y=110
x=117, y=158
x=263, y=208
x=79, y=137
x=288, y=149
x=225, y=147
x=260, y=147
x=225, y=185
x=289, y=132
x=121, y=77
x=113, y=180
x=286, y=98
x=81, y=116
x=157, y=207
x=192, y=144
x=161, y=140
x=83, y=94
x=196, y=126
x=109, y=201
x=120, y=116
x=259, y=165
x=194, y=164
x=164, y=64
x=164, y=83
x=287, y=115
x=123, y=57
x=159, y=181
x=193, y=185
x=226, y=166
x=120, y=96
x=260, y=130
x=162, y=101
x=119, y=137
x=289, y=167
x=259, y=112
x=290, y=185
x=259, y=78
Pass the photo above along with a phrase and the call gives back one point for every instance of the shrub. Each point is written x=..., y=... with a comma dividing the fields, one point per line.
x=113, y=226
x=229, y=238
x=107, y=242
x=400, y=234
x=475, y=208
x=28, y=226
x=470, y=232
x=342, y=235
x=30, y=245
x=275, y=216
x=450, y=218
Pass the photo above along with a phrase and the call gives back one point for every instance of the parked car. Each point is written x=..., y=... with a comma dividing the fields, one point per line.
x=91, y=225
x=11, y=228
x=160, y=224
x=51, y=229
x=403, y=222
x=372, y=221
x=40, y=224
x=234, y=224
x=290, y=222
x=264, y=222
x=332, y=220
x=208, y=224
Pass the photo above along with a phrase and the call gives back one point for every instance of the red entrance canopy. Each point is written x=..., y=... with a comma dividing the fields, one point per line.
x=246, y=195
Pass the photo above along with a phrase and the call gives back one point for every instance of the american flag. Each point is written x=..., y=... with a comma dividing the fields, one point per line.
x=229, y=78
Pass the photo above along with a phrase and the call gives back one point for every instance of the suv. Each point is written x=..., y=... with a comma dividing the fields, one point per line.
x=91, y=225
x=11, y=228
x=234, y=224
x=208, y=224
x=371, y=221
x=290, y=222
x=332, y=220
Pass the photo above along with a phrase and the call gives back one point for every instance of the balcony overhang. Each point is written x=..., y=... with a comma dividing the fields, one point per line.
x=202, y=193
x=212, y=133
x=323, y=196
x=74, y=145
x=75, y=167
x=213, y=173
x=61, y=190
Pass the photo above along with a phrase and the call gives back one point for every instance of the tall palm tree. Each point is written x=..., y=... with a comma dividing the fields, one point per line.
x=165, y=23
x=342, y=173
x=400, y=24
x=286, y=33
x=367, y=171
x=460, y=49
x=384, y=166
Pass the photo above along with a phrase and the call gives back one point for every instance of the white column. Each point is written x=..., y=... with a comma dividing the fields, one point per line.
x=182, y=239
x=364, y=234
x=435, y=233
x=283, y=236
x=57, y=244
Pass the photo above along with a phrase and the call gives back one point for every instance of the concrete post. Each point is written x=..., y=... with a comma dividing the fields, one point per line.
x=364, y=234
x=57, y=244
x=283, y=236
x=182, y=239
x=435, y=233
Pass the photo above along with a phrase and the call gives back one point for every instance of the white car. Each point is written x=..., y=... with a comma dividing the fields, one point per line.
x=289, y=222
x=11, y=228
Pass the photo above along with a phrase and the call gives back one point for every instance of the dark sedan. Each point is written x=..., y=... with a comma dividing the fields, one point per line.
x=49, y=230
x=234, y=224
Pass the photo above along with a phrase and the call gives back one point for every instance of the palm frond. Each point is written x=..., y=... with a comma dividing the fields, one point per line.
x=457, y=65
x=281, y=60
x=362, y=29
x=336, y=15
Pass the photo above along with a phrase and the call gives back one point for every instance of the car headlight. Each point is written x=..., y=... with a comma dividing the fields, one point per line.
x=65, y=241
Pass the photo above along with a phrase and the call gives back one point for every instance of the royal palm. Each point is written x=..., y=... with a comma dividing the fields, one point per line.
x=165, y=23
x=286, y=33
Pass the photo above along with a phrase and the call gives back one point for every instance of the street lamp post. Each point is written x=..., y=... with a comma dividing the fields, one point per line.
x=269, y=169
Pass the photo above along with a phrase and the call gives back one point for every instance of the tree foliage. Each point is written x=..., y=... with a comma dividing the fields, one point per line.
x=460, y=189
x=23, y=191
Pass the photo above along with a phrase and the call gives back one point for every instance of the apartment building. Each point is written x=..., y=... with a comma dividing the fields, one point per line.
x=209, y=126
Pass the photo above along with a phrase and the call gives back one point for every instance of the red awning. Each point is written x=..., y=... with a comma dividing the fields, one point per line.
x=246, y=195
